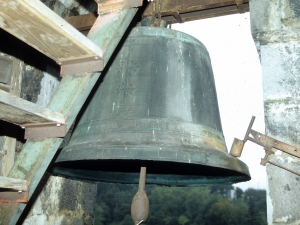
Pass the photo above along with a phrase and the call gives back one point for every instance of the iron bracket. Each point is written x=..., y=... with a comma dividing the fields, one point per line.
x=265, y=141
x=81, y=66
x=13, y=196
x=107, y=6
x=13, y=190
x=44, y=130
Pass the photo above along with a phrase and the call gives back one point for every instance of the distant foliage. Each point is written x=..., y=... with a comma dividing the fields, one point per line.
x=183, y=206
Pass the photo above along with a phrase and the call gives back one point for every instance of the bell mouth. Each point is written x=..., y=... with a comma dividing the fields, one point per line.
x=158, y=172
x=168, y=166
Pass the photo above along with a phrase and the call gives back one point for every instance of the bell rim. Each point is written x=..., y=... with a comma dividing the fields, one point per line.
x=207, y=157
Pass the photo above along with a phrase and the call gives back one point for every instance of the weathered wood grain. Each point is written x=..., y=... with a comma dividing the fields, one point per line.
x=107, y=6
x=35, y=24
x=190, y=10
x=13, y=85
x=82, y=22
x=19, y=111
x=12, y=183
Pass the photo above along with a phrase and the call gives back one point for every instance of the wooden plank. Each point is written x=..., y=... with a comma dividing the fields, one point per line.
x=12, y=183
x=107, y=6
x=13, y=68
x=8, y=148
x=19, y=111
x=69, y=97
x=82, y=22
x=34, y=23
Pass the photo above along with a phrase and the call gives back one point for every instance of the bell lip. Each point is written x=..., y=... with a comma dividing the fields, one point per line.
x=154, y=179
x=236, y=170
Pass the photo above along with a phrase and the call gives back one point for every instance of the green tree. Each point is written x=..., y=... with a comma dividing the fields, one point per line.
x=221, y=213
x=182, y=220
x=256, y=201
x=239, y=193
x=197, y=202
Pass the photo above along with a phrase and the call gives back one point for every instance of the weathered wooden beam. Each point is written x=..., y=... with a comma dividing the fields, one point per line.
x=35, y=24
x=206, y=13
x=183, y=6
x=69, y=97
x=183, y=12
x=178, y=11
x=12, y=183
x=82, y=22
x=107, y=6
x=11, y=71
x=19, y=111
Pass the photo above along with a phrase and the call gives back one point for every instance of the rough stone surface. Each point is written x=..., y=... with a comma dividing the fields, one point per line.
x=67, y=8
x=275, y=29
x=64, y=201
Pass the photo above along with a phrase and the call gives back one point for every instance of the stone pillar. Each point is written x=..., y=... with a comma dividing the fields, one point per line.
x=275, y=26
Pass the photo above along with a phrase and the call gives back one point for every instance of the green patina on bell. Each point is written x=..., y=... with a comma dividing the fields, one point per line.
x=156, y=107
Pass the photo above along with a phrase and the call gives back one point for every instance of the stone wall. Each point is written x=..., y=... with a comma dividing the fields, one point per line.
x=275, y=28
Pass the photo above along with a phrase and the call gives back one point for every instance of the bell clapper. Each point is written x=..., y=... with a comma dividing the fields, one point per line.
x=140, y=202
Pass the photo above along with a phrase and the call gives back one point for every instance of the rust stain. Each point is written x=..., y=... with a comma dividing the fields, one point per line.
x=216, y=144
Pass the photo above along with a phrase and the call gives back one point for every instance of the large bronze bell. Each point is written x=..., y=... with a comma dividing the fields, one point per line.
x=156, y=107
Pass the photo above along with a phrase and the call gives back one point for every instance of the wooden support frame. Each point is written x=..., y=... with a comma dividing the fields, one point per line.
x=15, y=184
x=176, y=11
x=35, y=24
x=189, y=10
x=69, y=97
x=19, y=111
x=38, y=122
x=11, y=73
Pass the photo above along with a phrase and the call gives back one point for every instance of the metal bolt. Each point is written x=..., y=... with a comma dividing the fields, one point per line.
x=19, y=191
x=58, y=125
x=59, y=63
x=96, y=58
x=23, y=127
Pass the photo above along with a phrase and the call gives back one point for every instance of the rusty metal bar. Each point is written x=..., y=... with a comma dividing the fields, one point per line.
x=81, y=66
x=13, y=190
x=11, y=196
x=44, y=130
x=265, y=141
x=282, y=167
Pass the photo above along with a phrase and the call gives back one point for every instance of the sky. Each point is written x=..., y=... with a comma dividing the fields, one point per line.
x=237, y=73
